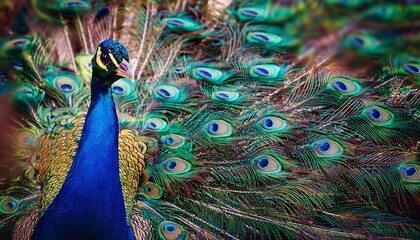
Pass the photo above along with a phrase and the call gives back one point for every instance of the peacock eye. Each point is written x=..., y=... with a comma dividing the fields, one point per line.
x=272, y=124
x=65, y=84
x=263, y=37
x=151, y=190
x=265, y=71
x=266, y=164
x=105, y=58
x=379, y=116
x=345, y=86
x=251, y=12
x=327, y=148
x=409, y=172
x=228, y=96
x=218, y=128
x=176, y=165
x=173, y=140
x=412, y=68
x=156, y=124
x=9, y=205
x=171, y=231
x=24, y=138
x=167, y=92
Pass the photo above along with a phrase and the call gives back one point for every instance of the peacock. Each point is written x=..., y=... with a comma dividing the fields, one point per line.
x=206, y=119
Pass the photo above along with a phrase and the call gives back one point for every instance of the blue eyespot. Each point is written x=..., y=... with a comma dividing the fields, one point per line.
x=266, y=164
x=412, y=69
x=218, y=128
x=324, y=146
x=358, y=42
x=261, y=71
x=409, y=171
x=375, y=114
x=170, y=227
x=19, y=43
x=340, y=86
x=204, y=73
x=262, y=163
x=214, y=127
x=272, y=124
x=170, y=231
x=327, y=148
x=148, y=189
x=175, y=22
x=74, y=4
x=225, y=95
x=173, y=140
x=176, y=166
x=66, y=87
x=8, y=205
x=164, y=93
x=170, y=140
x=248, y=13
x=156, y=124
x=167, y=93
x=260, y=37
x=171, y=165
x=222, y=95
x=117, y=89
x=268, y=123
x=379, y=116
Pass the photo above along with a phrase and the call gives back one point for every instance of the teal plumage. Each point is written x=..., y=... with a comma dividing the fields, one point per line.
x=248, y=120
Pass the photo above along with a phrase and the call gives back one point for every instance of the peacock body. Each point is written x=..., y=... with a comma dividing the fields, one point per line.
x=209, y=120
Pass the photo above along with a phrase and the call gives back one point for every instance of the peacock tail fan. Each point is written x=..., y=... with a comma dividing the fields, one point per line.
x=245, y=119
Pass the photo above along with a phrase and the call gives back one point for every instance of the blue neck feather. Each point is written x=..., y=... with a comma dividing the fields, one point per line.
x=90, y=204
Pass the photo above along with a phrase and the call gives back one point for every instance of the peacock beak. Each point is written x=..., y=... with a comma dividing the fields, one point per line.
x=124, y=71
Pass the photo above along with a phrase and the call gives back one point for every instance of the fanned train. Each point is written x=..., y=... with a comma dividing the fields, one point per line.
x=197, y=119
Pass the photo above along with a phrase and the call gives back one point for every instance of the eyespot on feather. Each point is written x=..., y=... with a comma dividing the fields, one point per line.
x=156, y=124
x=24, y=138
x=218, y=128
x=266, y=164
x=151, y=190
x=122, y=87
x=209, y=74
x=65, y=84
x=265, y=71
x=410, y=173
x=379, y=116
x=327, y=148
x=9, y=205
x=412, y=68
x=17, y=43
x=272, y=124
x=344, y=86
x=169, y=230
x=166, y=92
x=176, y=166
x=225, y=95
x=263, y=37
x=173, y=140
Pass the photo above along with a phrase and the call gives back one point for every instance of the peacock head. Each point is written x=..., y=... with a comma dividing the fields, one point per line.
x=110, y=62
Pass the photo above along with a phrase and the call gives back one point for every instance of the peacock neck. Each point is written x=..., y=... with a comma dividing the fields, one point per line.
x=90, y=204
